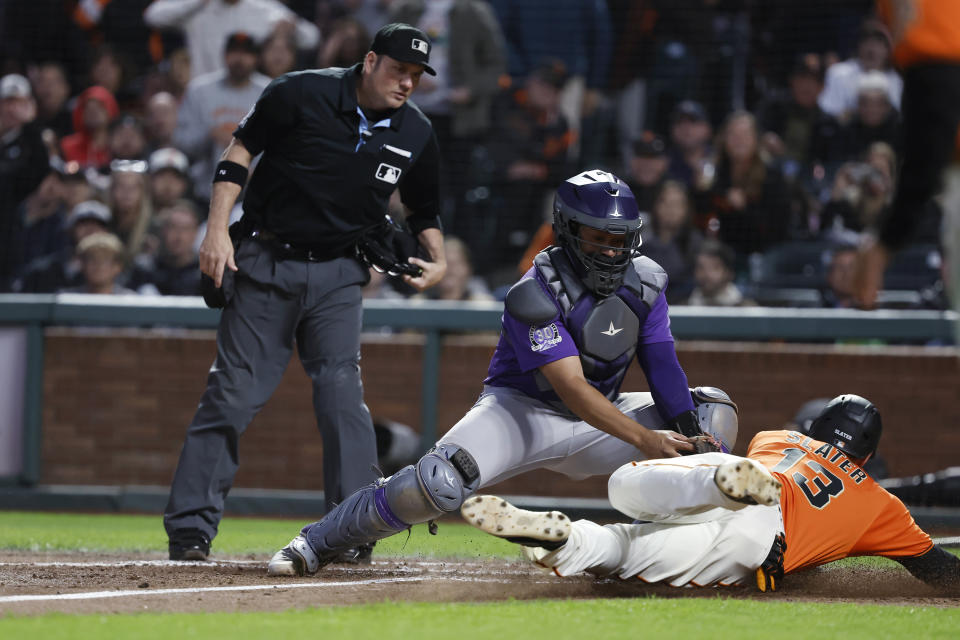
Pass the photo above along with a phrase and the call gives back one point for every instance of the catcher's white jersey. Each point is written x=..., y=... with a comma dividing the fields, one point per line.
x=692, y=535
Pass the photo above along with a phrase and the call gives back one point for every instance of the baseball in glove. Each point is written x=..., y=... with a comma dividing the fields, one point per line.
x=387, y=247
x=704, y=444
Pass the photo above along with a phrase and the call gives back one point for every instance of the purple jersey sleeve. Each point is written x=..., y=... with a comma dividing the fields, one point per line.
x=656, y=328
x=668, y=383
x=537, y=345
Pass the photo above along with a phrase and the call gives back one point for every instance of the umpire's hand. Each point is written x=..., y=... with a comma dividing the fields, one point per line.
x=216, y=253
x=432, y=273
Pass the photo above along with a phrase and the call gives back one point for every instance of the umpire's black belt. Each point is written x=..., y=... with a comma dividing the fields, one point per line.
x=287, y=251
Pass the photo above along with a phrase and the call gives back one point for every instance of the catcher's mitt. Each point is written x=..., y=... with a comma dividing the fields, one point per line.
x=704, y=444
x=387, y=247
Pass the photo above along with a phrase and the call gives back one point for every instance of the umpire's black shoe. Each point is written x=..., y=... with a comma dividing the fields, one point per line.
x=189, y=544
x=361, y=554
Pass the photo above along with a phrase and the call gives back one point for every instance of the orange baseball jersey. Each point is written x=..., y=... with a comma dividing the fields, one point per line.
x=923, y=30
x=831, y=508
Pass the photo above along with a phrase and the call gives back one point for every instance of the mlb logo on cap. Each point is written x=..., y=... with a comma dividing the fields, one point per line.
x=405, y=43
x=420, y=46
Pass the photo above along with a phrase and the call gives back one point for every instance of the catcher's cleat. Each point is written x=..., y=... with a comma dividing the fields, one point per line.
x=189, y=544
x=545, y=529
x=361, y=554
x=747, y=481
x=295, y=559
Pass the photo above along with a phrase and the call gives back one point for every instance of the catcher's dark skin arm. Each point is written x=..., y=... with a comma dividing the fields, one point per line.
x=433, y=270
x=216, y=250
x=937, y=567
x=566, y=377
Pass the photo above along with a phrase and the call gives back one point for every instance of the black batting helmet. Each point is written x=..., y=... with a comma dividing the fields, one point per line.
x=850, y=423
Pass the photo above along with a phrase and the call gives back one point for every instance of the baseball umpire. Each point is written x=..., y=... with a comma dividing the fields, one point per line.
x=571, y=328
x=336, y=143
x=796, y=501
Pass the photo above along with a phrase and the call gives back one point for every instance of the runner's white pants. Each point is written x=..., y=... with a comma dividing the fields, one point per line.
x=692, y=535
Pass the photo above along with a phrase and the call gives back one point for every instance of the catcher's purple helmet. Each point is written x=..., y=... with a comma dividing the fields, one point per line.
x=599, y=200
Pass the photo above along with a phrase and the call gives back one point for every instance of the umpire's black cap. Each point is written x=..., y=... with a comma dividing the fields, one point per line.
x=405, y=43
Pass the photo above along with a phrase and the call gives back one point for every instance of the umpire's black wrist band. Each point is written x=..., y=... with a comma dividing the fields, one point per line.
x=230, y=172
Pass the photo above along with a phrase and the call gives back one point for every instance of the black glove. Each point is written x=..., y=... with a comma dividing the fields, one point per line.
x=387, y=248
x=687, y=424
x=770, y=573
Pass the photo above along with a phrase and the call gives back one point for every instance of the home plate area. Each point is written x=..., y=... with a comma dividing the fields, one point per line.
x=39, y=583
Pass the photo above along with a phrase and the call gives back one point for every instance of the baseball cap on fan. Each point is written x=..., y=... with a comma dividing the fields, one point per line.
x=402, y=42
x=14, y=85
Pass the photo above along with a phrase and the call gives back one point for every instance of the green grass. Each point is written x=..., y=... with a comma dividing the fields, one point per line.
x=533, y=620
x=649, y=617
x=32, y=531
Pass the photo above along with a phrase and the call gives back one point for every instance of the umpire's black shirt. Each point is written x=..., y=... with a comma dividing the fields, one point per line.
x=314, y=186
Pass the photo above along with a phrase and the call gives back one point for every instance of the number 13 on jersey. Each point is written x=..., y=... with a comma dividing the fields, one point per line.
x=819, y=481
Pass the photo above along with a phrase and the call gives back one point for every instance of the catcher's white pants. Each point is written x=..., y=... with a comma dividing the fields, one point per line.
x=508, y=432
x=693, y=534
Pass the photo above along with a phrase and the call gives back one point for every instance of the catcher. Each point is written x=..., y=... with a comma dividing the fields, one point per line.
x=571, y=328
x=796, y=501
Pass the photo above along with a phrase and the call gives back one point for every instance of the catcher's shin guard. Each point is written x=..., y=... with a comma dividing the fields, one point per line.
x=437, y=484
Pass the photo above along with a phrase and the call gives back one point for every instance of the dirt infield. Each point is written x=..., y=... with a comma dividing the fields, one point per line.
x=33, y=584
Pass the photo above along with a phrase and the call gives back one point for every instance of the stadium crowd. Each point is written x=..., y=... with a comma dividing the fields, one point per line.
x=760, y=138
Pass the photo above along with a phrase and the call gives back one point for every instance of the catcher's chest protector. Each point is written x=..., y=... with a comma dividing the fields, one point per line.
x=605, y=331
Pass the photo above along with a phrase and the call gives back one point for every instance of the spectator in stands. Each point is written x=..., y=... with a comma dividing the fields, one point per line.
x=208, y=23
x=469, y=56
x=23, y=163
x=749, y=204
x=60, y=270
x=839, y=292
x=576, y=33
x=459, y=282
x=874, y=120
x=691, y=153
x=40, y=221
x=861, y=191
x=169, y=177
x=796, y=130
x=648, y=169
x=213, y=106
x=35, y=30
x=839, y=97
x=101, y=263
x=76, y=187
x=52, y=90
x=714, y=274
x=671, y=240
x=528, y=151
x=345, y=44
x=369, y=14
x=161, y=120
x=127, y=139
x=278, y=55
x=175, y=270
x=107, y=70
x=130, y=206
x=92, y=114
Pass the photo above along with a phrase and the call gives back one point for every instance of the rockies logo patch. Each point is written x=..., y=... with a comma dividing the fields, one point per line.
x=388, y=173
x=543, y=338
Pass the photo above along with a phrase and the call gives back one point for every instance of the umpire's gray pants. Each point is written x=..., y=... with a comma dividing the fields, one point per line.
x=318, y=304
